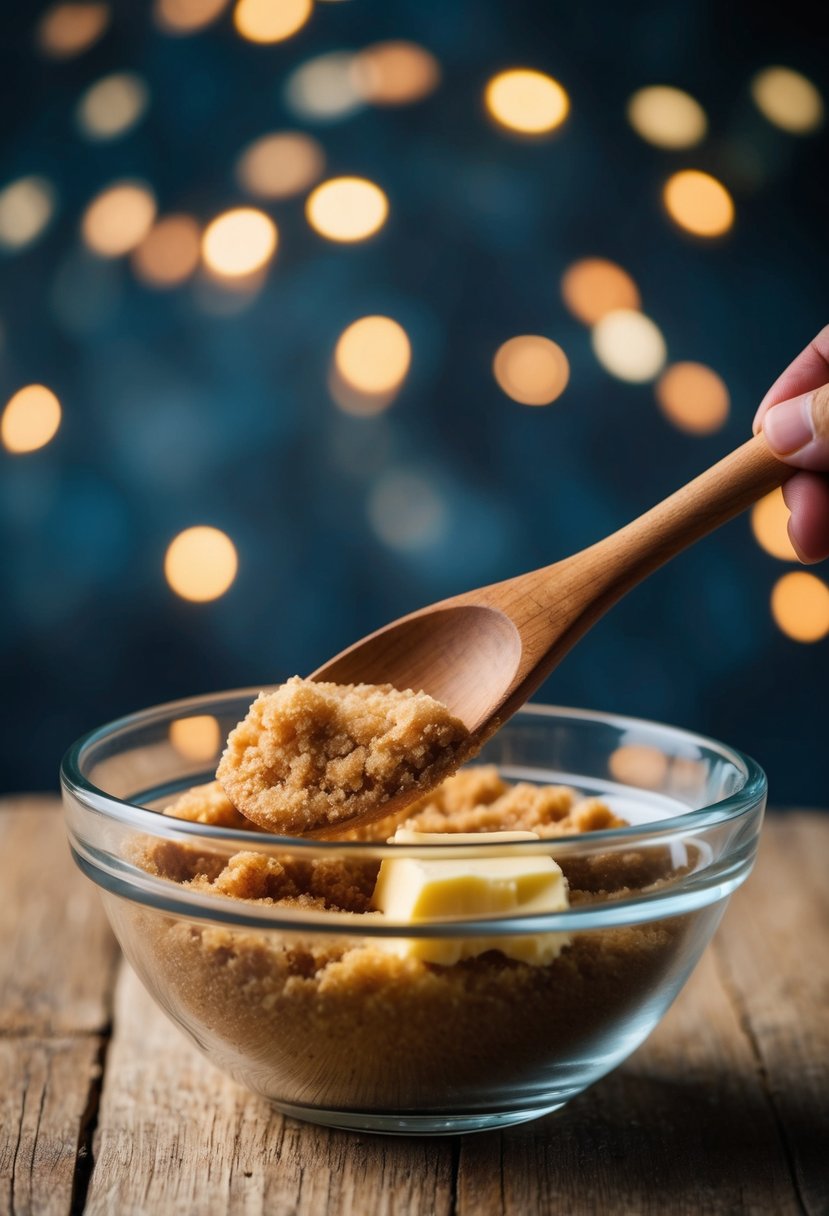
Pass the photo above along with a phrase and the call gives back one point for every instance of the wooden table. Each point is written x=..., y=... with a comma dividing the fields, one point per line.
x=106, y=1108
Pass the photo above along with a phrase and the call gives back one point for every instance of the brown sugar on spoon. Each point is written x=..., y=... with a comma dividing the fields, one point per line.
x=313, y=755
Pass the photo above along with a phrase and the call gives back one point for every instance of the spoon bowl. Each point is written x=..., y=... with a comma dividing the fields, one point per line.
x=485, y=652
x=442, y=651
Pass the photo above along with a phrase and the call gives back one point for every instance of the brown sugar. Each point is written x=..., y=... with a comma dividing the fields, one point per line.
x=315, y=1019
x=312, y=755
x=477, y=799
x=314, y=1022
x=208, y=804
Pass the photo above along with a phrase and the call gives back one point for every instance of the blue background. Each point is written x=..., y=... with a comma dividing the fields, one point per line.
x=174, y=417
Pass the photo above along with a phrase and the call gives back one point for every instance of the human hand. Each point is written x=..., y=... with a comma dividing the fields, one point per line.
x=794, y=418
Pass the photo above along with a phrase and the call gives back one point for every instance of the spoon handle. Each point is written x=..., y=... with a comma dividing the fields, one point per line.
x=717, y=495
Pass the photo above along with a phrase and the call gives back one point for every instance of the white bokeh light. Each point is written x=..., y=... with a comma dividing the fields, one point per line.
x=629, y=345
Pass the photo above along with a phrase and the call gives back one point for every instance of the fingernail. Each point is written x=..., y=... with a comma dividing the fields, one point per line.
x=788, y=426
x=762, y=409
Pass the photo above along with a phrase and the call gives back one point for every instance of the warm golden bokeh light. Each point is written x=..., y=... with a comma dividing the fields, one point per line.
x=31, y=418
x=26, y=207
x=65, y=30
x=186, y=16
x=197, y=738
x=118, y=219
x=629, y=345
x=693, y=397
x=800, y=606
x=200, y=564
x=593, y=287
x=639, y=764
x=395, y=73
x=280, y=165
x=788, y=99
x=529, y=102
x=239, y=242
x=169, y=253
x=325, y=88
x=698, y=203
x=667, y=117
x=270, y=20
x=531, y=369
x=112, y=106
x=769, y=523
x=373, y=355
x=347, y=209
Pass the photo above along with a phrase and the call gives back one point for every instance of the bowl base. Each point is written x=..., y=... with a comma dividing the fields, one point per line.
x=412, y=1125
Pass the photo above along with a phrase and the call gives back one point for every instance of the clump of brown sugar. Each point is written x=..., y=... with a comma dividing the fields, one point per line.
x=312, y=755
x=208, y=804
x=479, y=800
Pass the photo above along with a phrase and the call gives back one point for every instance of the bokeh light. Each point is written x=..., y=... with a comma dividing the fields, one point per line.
x=26, y=208
x=239, y=242
x=667, y=117
x=406, y=511
x=639, y=764
x=693, y=397
x=787, y=99
x=347, y=209
x=112, y=106
x=186, y=16
x=66, y=30
x=325, y=88
x=373, y=355
x=169, y=253
x=698, y=203
x=629, y=345
x=769, y=523
x=593, y=287
x=526, y=101
x=531, y=369
x=270, y=20
x=200, y=564
x=800, y=606
x=395, y=73
x=198, y=738
x=280, y=165
x=118, y=219
x=31, y=418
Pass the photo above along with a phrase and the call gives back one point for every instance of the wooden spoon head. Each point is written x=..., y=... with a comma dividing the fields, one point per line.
x=465, y=655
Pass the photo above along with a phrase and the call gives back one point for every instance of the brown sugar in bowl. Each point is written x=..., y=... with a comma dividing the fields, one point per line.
x=267, y=952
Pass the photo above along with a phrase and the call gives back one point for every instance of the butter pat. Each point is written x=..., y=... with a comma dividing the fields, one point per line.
x=421, y=890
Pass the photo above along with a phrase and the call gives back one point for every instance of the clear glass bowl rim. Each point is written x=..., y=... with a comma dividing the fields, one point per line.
x=72, y=777
x=191, y=904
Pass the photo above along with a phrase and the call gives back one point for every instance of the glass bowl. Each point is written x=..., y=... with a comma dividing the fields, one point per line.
x=326, y=1014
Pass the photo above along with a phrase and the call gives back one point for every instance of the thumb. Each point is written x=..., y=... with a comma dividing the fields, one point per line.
x=797, y=430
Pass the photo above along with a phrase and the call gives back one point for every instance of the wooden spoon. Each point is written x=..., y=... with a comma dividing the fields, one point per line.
x=485, y=652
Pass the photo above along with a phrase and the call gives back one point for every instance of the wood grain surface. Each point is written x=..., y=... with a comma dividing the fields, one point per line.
x=107, y=1109
x=58, y=961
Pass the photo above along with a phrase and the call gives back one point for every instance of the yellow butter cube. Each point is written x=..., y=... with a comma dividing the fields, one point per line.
x=417, y=891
